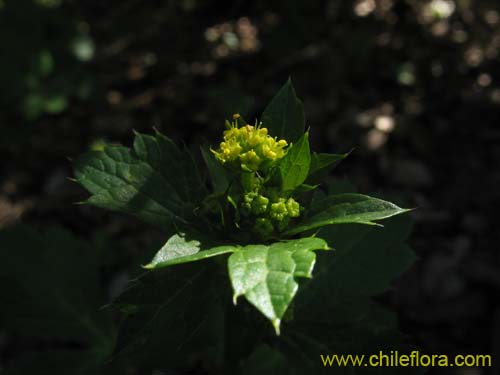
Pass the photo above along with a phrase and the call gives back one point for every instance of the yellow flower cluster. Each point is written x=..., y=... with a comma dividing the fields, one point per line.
x=250, y=147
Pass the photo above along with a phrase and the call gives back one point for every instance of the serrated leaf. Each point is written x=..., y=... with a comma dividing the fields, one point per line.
x=176, y=246
x=265, y=275
x=321, y=165
x=348, y=208
x=284, y=115
x=172, y=315
x=294, y=167
x=180, y=249
x=376, y=268
x=376, y=255
x=119, y=180
x=347, y=320
x=173, y=164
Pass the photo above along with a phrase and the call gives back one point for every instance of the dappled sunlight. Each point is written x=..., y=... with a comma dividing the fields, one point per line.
x=362, y=8
x=380, y=122
x=229, y=38
x=385, y=123
x=484, y=80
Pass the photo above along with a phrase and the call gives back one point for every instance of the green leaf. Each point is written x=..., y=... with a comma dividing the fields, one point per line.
x=179, y=250
x=365, y=262
x=119, y=180
x=265, y=275
x=348, y=208
x=322, y=165
x=177, y=246
x=304, y=188
x=172, y=163
x=173, y=316
x=50, y=290
x=219, y=175
x=284, y=115
x=294, y=167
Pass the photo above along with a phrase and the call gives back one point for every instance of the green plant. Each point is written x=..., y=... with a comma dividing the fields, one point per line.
x=265, y=212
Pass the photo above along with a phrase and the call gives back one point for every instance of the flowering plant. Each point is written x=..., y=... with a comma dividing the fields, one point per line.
x=259, y=204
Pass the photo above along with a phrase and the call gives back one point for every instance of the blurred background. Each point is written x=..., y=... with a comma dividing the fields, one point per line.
x=413, y=86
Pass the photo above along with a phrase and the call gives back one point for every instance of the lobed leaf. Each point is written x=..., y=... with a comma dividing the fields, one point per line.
x=180, y=250
x=265, y=275
x=171, y=315
x=148, y=182
x=366, y=260
x=173, y=164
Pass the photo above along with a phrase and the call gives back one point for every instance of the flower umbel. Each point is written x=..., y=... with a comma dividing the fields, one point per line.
x=251, y=153
x=250, y=148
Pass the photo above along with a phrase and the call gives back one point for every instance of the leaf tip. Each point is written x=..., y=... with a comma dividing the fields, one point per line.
x=149, y=266
x=276, y=324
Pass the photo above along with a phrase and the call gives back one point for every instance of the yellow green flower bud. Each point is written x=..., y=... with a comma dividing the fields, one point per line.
x=259, y=205
x=254, y=203
x=246, y=205
x=293, y=207
x=278, y=210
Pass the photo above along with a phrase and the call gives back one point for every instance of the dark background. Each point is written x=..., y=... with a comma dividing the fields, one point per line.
x=412, y=86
